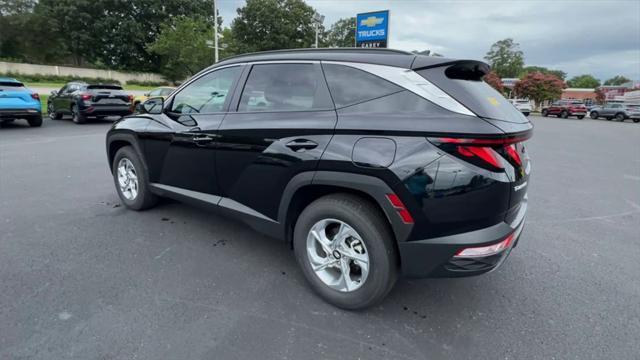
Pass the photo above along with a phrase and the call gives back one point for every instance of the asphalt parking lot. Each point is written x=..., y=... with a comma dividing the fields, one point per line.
x=81, y=277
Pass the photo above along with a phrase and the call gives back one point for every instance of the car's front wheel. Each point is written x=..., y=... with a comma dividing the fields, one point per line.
x=545, y=112
x=564, y=114
x=131, y=180
x=345, y=248
x=636, y=120
x=620, y=116
x=594, y=115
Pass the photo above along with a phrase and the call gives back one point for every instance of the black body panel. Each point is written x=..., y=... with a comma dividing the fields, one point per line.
x=264, y=166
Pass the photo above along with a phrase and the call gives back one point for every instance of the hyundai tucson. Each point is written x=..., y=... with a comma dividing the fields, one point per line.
x=369, y=163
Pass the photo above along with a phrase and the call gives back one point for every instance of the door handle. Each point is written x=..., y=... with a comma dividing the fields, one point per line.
x=202, y=139
x=301, y=144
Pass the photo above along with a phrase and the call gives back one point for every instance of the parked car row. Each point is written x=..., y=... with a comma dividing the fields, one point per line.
x=81, y=100
x=620, y=112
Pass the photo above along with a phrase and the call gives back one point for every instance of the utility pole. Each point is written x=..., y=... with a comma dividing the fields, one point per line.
x=317, y=21
x=215, y=31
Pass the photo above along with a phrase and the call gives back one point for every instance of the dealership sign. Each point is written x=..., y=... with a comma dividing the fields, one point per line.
x=372, y=29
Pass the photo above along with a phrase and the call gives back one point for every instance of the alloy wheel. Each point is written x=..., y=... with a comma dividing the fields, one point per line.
x=127, y=179
x=337, y=254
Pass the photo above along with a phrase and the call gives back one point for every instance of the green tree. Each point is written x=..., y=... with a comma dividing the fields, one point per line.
x=616, y=80
x=583, y=81
x=506, y=58
x=342, y=33
x=180, y=58
x=539, y=87
x=273, y=24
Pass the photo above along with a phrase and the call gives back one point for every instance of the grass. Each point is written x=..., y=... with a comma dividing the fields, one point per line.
x=43, y=103
x=56, y=85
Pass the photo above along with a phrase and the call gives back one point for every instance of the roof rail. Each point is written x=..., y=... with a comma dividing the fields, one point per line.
x=322, y=50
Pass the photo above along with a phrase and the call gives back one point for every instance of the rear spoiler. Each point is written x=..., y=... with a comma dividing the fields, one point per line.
x=456, y=69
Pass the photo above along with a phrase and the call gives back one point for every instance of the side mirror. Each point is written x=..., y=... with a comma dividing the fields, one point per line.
x=54, y=92
x=153, y=106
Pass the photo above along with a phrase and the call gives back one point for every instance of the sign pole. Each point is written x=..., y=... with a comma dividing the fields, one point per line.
x=215, y=31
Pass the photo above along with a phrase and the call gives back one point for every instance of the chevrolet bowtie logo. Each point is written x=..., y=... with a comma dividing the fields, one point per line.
x=371, y=21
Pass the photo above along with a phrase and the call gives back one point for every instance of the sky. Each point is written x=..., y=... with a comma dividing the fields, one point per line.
x=601, y=38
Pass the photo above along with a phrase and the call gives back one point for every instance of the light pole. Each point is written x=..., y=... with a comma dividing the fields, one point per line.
x=317, y=21
x=215, y=31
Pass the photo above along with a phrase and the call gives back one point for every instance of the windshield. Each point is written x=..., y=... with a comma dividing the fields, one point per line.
x=476, y=95
x=10, y=85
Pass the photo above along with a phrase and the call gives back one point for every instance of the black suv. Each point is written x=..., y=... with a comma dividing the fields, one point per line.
x=369, y=163
x=82, y=100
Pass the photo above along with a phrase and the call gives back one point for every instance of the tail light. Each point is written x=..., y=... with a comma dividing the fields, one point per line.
x=482, y=251
x=35, y=96
x=484, y=152
x=86, y=96
x=129, y=98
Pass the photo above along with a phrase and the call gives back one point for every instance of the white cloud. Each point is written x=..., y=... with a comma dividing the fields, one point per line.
x=597, y=37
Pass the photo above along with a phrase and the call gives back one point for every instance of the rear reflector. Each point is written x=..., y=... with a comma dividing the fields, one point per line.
x=86, y=96
x=483, y=251
x=400, y=208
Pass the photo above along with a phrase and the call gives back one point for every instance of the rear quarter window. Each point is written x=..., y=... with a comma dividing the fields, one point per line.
x=10, y=85
x=104, y=87
x=349, y=86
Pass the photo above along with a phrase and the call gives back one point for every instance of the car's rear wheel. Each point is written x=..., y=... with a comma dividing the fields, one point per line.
x=620, y=116
x=545, y=112
x=580, y=117
x=636, y=120
x=35, y=121
x=564, y=114
x=131, y=180
x=78, y=118
x=346, y=251
x=594, y=115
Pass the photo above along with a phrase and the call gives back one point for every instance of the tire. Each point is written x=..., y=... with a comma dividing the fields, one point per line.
x=35, y=121
x=137, y=106
x=373, y=231
x=143, y=199
x=620, y=116
x=526, y=114
x=545, y=112
x=564, y=114
x=594, y=115
x=53, y=115
x=636, y=120
x=580, y=117
x=78, y=118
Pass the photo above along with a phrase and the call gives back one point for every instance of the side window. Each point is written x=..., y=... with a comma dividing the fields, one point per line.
x=63, y=90
x=284, y=87
x=155, y=92
x=207, y=94
x=350, y=86
x=165, y=92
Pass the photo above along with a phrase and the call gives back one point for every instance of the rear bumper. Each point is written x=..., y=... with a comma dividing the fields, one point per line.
x=18, y=113
x=106, y=110
x=436, y=257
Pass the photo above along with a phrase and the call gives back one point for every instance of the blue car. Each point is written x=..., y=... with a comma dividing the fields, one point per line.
x=19, y=102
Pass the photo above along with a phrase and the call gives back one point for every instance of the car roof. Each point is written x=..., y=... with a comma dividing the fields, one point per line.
x=8, y=79
x=389, y=57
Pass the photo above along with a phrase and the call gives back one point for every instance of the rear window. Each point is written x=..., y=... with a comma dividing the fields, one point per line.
x=104, y=87
x=349, y=86
x=475, y=94
x=10, y=84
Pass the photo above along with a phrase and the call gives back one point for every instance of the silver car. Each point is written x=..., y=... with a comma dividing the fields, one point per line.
x=617, y=111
